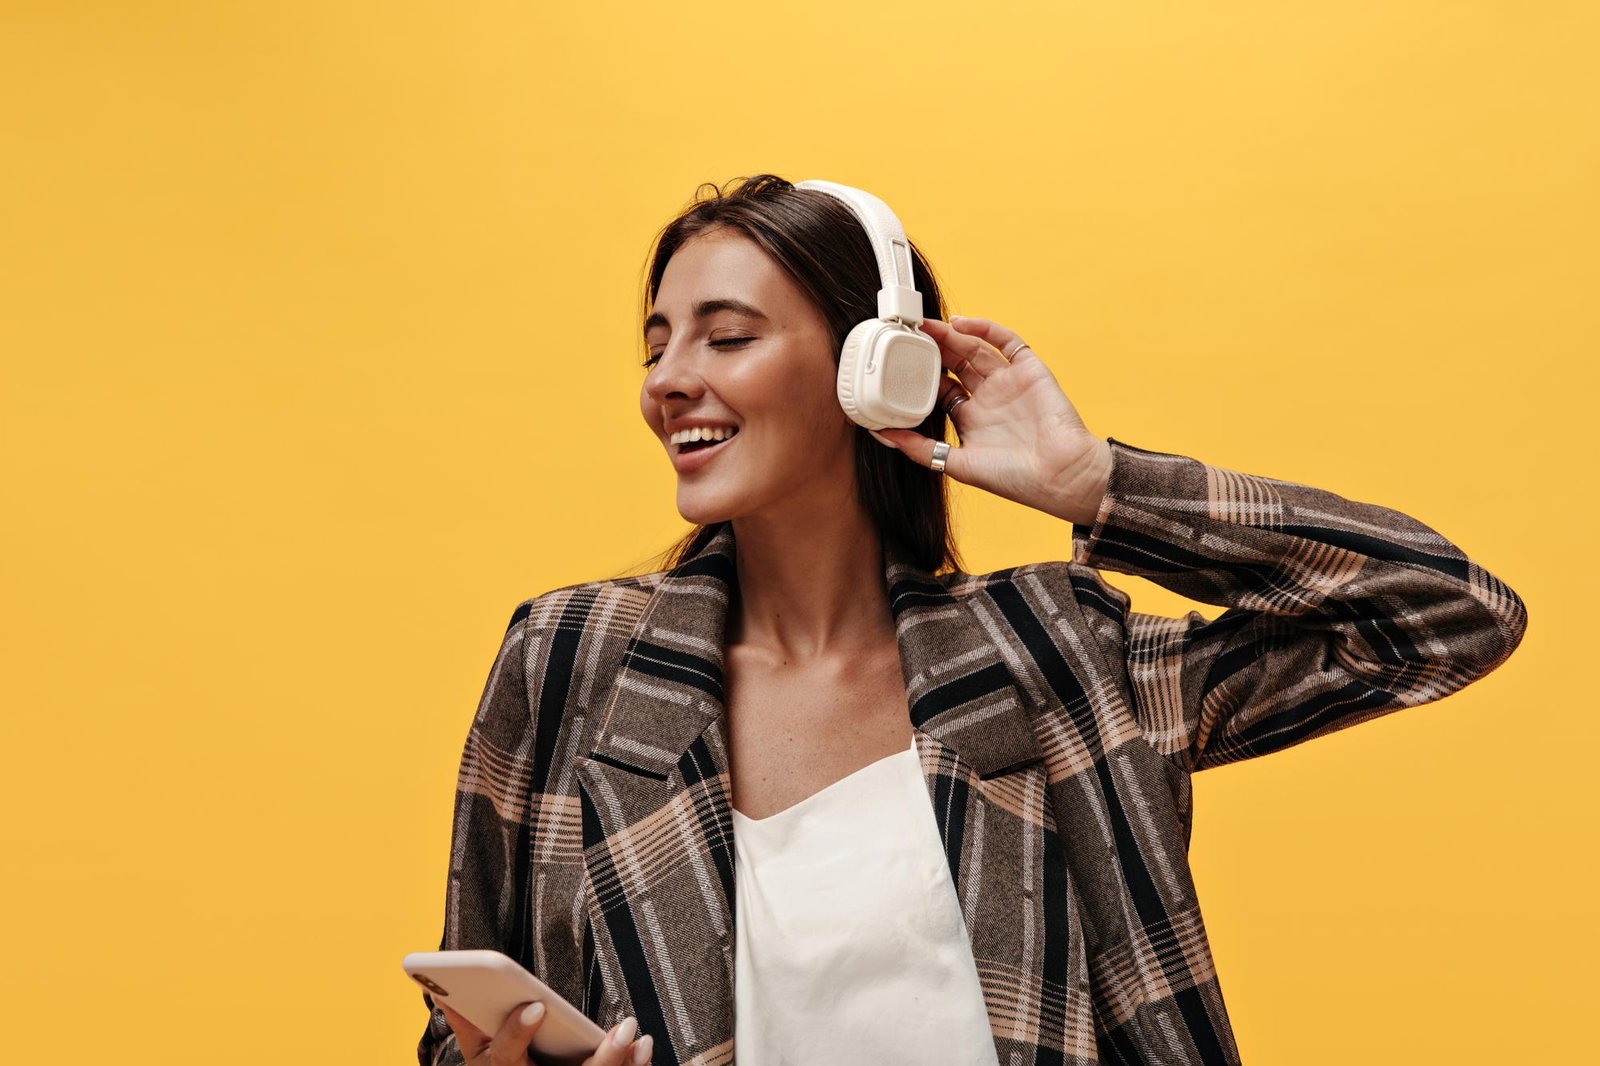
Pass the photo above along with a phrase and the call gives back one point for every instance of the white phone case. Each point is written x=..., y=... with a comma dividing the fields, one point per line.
x=484, y=986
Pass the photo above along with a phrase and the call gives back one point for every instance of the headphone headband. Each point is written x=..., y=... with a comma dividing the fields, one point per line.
x=898, y=299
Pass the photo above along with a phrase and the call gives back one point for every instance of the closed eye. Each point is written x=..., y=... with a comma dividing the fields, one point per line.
x=722, y=342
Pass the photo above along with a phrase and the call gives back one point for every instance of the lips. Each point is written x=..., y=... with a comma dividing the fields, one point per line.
x=685, y=461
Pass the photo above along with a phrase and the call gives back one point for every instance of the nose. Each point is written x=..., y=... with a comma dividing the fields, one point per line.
x=673, y=377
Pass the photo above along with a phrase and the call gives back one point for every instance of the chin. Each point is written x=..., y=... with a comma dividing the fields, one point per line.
x=702, y=508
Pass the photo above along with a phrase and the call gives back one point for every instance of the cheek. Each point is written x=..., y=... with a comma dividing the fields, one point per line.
x=824, y=415
x=790, y=408
x=797, y=439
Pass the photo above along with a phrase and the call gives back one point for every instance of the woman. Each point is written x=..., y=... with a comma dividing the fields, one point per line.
x=743, y=725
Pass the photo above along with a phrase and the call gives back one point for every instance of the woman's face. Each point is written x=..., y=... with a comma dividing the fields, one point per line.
x=766, y=369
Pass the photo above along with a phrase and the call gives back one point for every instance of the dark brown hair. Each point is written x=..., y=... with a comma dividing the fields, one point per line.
x=820, y=243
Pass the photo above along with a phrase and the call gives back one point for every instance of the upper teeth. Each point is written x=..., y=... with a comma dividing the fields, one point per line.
x=684, y=436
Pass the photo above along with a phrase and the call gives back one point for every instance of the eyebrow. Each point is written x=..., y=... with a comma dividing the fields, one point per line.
x=707, y=308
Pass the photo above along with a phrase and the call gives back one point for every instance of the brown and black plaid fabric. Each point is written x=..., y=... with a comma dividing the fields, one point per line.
x=593, y=838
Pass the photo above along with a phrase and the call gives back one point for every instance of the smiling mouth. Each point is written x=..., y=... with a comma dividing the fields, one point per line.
x=703, y=445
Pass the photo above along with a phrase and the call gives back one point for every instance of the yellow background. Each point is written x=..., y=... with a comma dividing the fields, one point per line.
x=320, y=323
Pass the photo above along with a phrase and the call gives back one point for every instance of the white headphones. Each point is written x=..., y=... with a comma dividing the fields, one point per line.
x=889, y=370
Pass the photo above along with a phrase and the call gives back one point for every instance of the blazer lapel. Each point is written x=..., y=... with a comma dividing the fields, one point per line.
x=658, y=830
x=658, y=824
x=987, y=778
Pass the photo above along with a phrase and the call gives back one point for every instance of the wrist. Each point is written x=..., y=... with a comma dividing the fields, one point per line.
x=1082, y=489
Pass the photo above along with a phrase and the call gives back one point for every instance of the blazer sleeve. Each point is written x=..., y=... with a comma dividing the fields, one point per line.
x=487, y=894
x=1337, y=611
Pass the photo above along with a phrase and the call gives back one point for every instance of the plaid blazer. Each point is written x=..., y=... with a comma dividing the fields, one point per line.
x=592, y=834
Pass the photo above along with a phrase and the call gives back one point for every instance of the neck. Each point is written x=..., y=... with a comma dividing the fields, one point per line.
x=809, y=589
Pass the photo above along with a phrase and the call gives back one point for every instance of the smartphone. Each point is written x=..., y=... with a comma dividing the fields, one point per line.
x=485, y=986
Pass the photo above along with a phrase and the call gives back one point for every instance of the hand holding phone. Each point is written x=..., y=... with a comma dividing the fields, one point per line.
x=493, y=1003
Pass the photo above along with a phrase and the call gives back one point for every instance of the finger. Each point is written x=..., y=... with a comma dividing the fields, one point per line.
x=971, y=358
x=643, y=1049
x=950, y=391
x=614, y=1050
x=469, y=1037
x=1005, y=340
x=919, y=449
x=510, y=1044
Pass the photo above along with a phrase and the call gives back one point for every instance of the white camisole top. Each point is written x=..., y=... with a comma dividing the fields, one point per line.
x=849, y=945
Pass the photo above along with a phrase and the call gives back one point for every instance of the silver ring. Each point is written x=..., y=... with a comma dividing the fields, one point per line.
x=950, y=411
x=940, y=450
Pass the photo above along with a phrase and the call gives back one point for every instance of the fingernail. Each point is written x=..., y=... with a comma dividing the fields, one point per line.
x=532, y=1013
x=624, y=1033
x=641, y=1050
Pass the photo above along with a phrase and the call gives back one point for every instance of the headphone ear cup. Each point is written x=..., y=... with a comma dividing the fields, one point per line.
x=902, y=388
x=930, y=371
x=849, y=356
x=886, y=373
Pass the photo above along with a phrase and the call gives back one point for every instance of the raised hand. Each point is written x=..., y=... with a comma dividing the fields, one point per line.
x=1021, y=438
